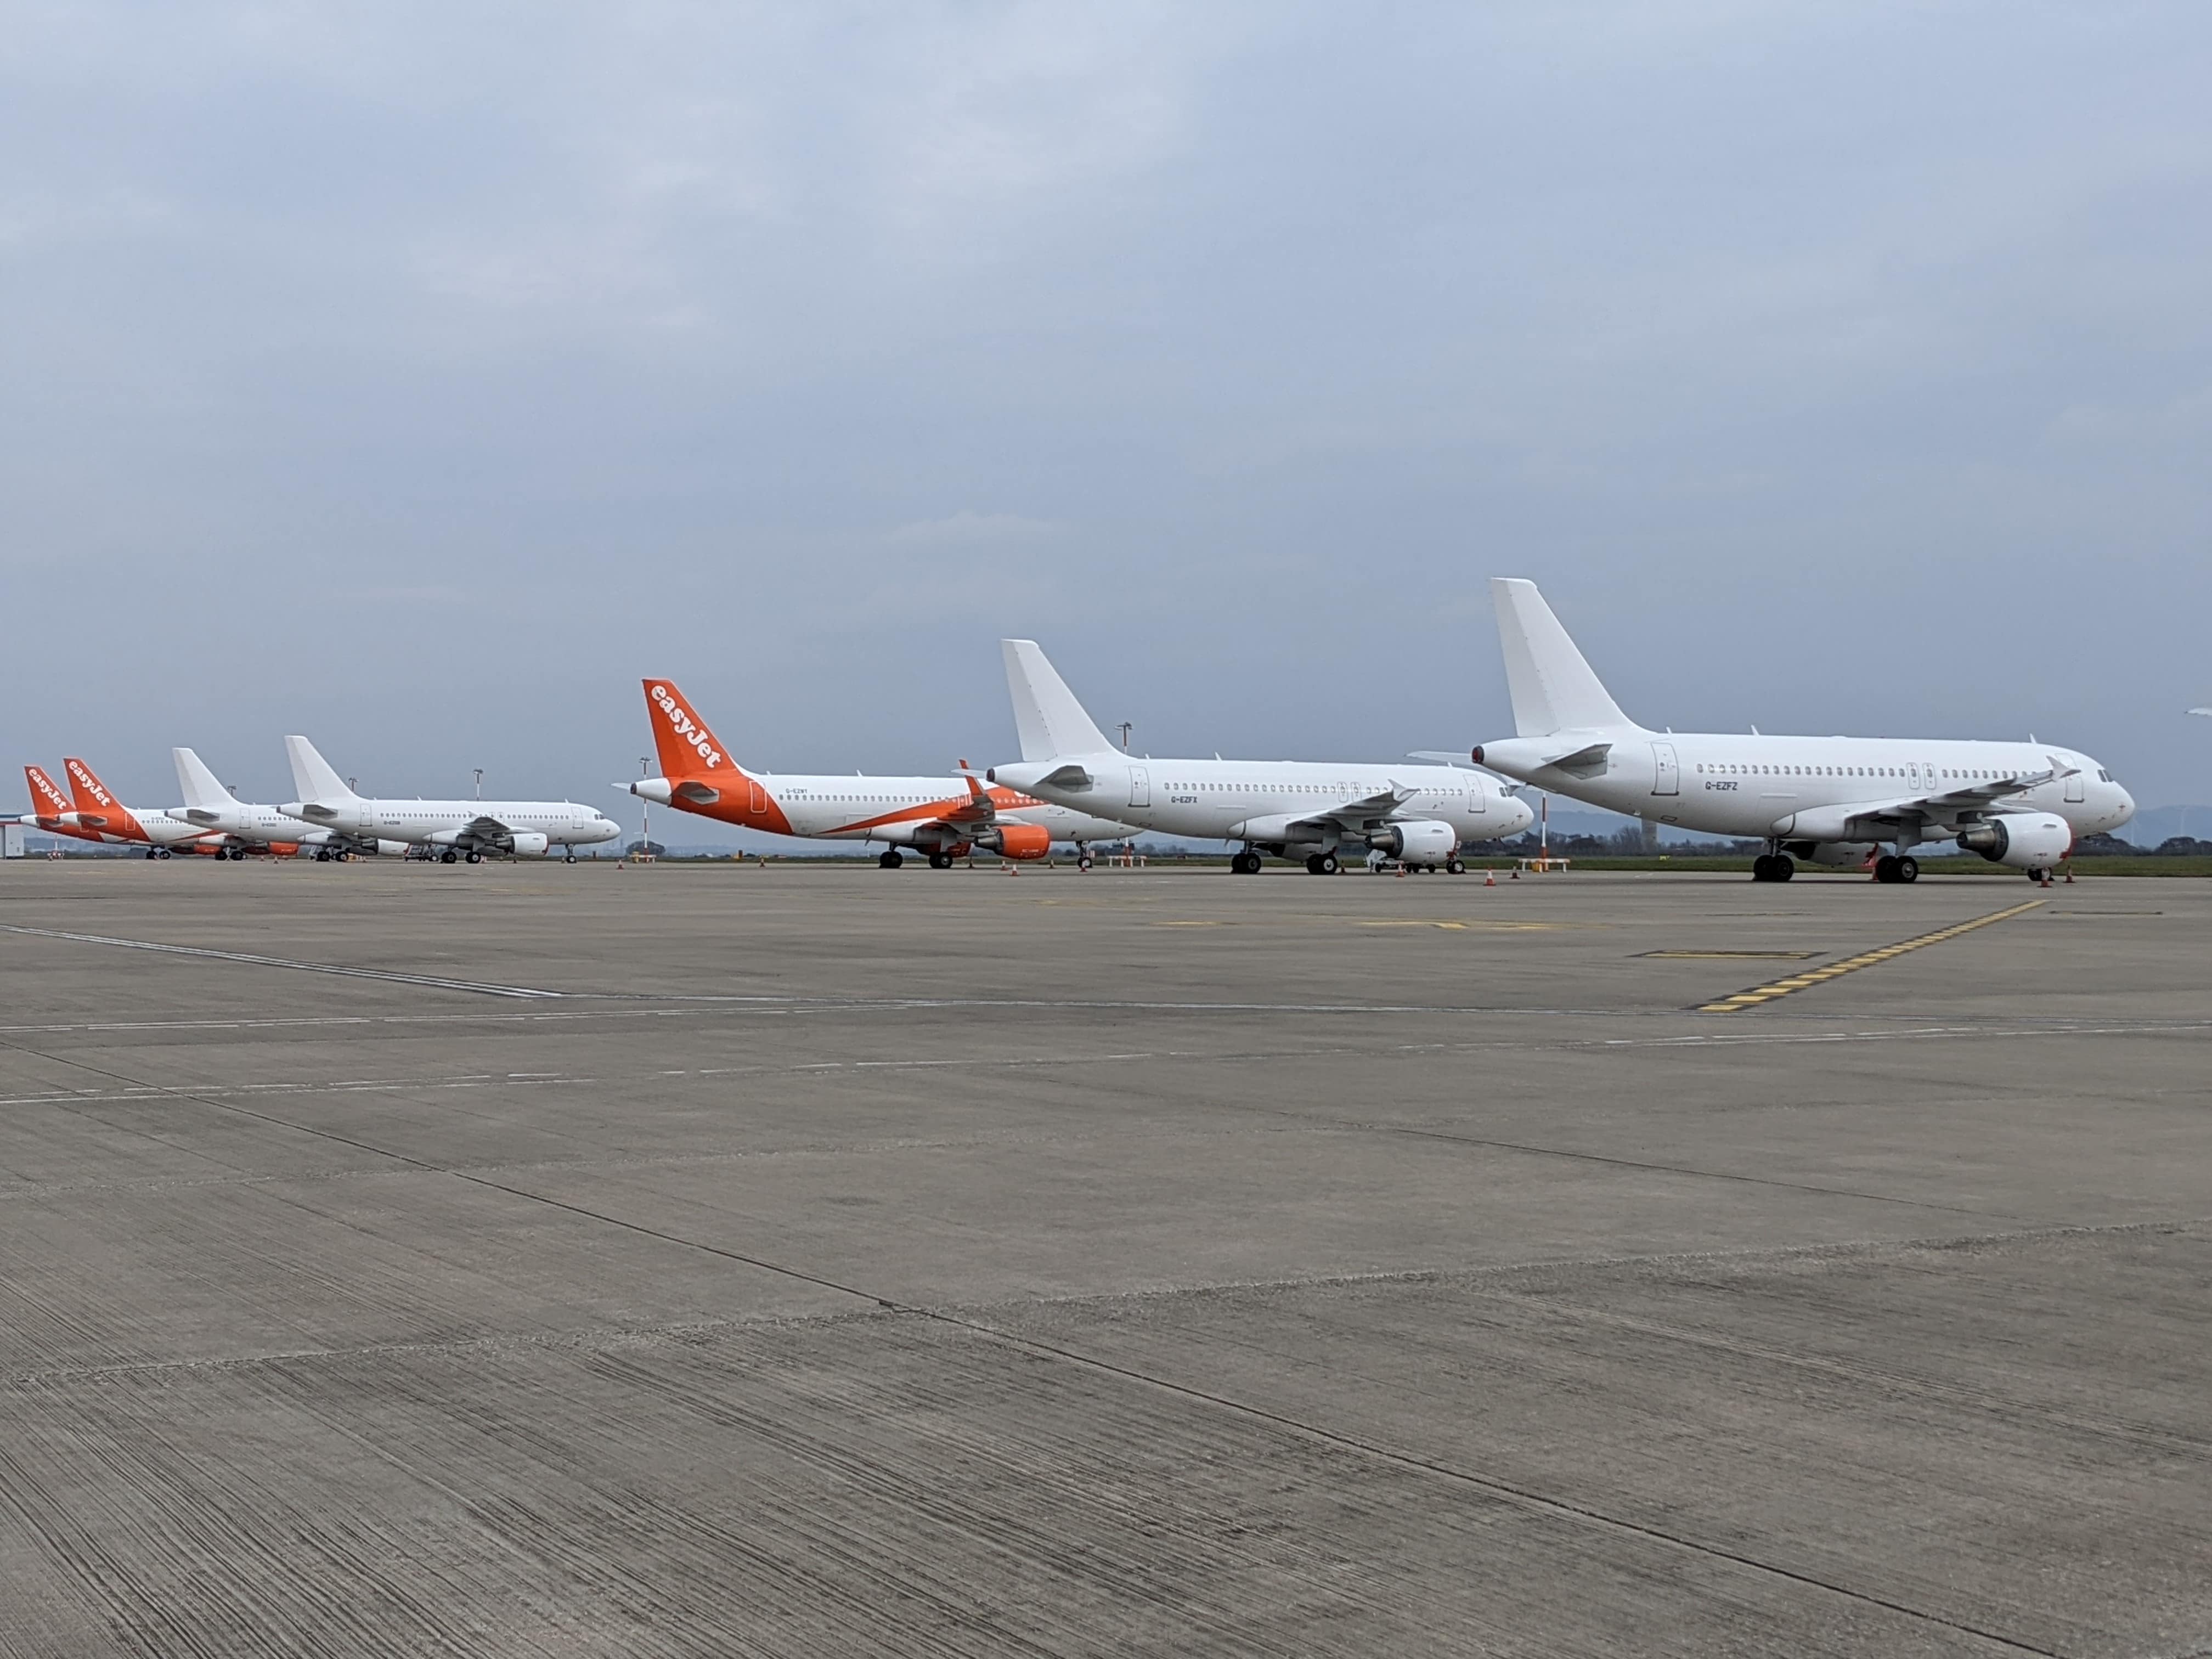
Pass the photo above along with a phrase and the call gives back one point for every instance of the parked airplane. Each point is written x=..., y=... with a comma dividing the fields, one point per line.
x=95, y=807
x=1830, y=800
x=1312, y=809
x=457, y=829
x=51, y=809
x=248, y=828
x=916, y=814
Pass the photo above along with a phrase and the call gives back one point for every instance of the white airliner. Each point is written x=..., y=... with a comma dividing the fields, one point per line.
x=1308, y=809
x=1834, y=800
x=247, y=827
x=458, y=829
x=920, y=815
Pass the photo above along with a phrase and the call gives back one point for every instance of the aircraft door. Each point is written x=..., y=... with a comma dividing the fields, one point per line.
x=2077, y=787
x=759, y=796
x=1667, y=773
x=1141, y=786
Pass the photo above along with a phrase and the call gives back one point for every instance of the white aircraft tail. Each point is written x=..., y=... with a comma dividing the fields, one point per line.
x=313, y=775
x=1552, y=686
x=202, y=791
x=1046, y=717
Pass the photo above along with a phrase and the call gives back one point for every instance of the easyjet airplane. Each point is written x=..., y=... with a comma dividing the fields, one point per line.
x=51, y=809
x=910, y=813
x=97, y=809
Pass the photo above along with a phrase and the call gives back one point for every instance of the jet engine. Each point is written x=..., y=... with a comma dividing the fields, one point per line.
x=1422, y=840
x=528, y=844
x=2025, y=841
x=1018, y=841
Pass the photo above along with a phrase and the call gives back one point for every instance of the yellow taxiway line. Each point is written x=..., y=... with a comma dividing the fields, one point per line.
x=1761, y=994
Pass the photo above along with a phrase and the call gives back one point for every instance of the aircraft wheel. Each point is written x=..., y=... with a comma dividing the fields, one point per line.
x=1245, y=864
x=1785, y=866
x=1313, y=864
x=475, y=857
x=889, y=859
x=571, y=859
x=1329, y=864
x=1083, y=862
x=1885, y=868
x=1908, y=868
x=1454, y=868
x=151, y=853
x=448, y=856
x=940, y=861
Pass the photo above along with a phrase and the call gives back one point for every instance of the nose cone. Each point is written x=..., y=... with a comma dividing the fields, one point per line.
x=1523, y=815
x=2124, y=807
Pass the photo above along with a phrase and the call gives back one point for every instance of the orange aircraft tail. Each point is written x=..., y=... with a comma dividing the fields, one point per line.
x=47, y=801
x=86, y=789
x=687, y=748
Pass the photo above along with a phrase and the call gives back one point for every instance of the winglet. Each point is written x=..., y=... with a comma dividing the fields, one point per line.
x=1551, y=684
x=1047, y=719
x=201, y=790
x=312, y=776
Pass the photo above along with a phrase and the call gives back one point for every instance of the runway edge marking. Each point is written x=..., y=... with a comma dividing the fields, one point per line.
x=1759, y=995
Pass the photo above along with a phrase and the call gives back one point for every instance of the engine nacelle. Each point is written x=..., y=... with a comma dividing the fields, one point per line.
x=529, y=844
x=2025, y=840
x=1018, y=841
x=1421, y=840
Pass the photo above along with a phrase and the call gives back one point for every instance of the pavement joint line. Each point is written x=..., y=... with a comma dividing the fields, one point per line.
x=430, y=981
x=1758, y=995
x=1502, y=1488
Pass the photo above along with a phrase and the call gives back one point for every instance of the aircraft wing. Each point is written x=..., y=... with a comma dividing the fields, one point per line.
x=1967, y=802
x=486, y=830
x=1361, y=814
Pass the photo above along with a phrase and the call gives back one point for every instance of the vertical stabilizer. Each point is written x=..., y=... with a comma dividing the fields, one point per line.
x=1552, y=686
x=85, y=790
x=200, y=788
x=1046, y=717
x=685, y=745
x=313, y=775
x=47, y=801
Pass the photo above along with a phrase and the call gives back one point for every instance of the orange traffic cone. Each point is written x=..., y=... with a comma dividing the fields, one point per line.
x=1489, y=877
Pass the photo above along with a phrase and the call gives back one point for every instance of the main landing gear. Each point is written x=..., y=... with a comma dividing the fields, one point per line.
x=1244, y=864
x=449, y=856
x=888, y=859
x=940, y=861
x=1894, y=867
x=1773, y=867
x=1321, y=864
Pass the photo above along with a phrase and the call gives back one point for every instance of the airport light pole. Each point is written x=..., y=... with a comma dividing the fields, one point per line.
x=644, y=811
x=479, y=772
x=1126, y=728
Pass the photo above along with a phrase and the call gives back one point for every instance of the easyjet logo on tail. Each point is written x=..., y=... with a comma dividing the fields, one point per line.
x=687, y=731
x=80, y=775
x=44, y=793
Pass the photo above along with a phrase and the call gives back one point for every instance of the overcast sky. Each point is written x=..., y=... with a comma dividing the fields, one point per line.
x=418, y=377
